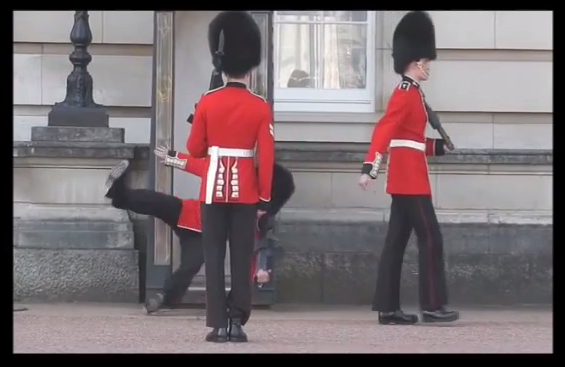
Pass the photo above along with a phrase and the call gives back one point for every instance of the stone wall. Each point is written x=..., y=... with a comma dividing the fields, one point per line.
x=69, y=243
x=499, y=251
x=122, y=54
x=325, y=255
x=334, y=259
x=474, y=84
x=465, y=183
x=499, y=182
x=479, y=111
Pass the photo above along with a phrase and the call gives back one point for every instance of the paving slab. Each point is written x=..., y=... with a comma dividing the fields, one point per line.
x=125, y=328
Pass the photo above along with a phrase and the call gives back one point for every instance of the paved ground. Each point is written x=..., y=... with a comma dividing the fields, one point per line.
x=103, y=328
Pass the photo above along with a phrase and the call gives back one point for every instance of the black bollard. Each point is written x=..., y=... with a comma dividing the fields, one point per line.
x=79, y=109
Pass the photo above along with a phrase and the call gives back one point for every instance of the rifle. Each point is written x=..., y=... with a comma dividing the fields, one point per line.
x=433, y=118
x=216, y=82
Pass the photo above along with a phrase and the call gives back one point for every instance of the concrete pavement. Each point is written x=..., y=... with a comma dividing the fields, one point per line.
x=112, y=328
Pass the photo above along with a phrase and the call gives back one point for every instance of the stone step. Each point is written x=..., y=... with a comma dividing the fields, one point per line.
x=73, y=275
x=72, y=226
x=78, y=213
x=518, y=217
x=77, y=150
x=317, y=233
x=324, y=152
x=333, y=256
x=73, y=235
x=77, y=134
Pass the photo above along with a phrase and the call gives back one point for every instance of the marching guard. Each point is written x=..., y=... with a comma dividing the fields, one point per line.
x=401, y=132
x=228, y=124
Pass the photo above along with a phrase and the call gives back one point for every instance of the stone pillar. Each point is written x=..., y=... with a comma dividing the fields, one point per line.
x=69, y=243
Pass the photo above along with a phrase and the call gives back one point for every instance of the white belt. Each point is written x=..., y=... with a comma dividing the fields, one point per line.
x=215, y=153
x=395, y=143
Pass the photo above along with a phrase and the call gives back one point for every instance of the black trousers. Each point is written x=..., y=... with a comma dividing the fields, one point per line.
x=220, y=223
x=167, y=208
x=192, y=259
x=411, y=212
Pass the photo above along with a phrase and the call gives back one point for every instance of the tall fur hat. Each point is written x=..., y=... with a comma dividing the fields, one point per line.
x=282, y=189
x=414, y=39
x=241, y=42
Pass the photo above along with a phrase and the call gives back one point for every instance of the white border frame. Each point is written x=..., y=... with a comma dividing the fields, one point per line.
x=316, y=100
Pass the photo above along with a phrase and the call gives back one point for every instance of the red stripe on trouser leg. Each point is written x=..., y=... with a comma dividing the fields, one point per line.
x=254, y=259
x=253, y=265
x=430, y=254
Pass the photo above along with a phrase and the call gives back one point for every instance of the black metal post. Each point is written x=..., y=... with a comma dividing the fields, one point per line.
x=79, y=109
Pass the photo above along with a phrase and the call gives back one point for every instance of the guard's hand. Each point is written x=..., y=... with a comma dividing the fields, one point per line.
x=161, y=152
x=449, y=146
x=263, y=276
x=260, y=213
x=447, y=143
x=364, y=181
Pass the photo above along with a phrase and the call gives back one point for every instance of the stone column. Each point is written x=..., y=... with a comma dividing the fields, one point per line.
x=69, y=243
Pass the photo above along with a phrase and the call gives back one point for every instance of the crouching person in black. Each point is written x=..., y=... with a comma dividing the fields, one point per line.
x=183, y=216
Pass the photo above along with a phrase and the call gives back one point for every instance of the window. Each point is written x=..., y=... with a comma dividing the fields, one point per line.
x=324, y=61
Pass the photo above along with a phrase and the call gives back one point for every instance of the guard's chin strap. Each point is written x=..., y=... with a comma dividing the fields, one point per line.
x=426, y=73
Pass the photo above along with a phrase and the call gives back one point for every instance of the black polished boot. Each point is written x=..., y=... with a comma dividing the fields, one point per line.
x=115, y=178
x=217, y=335
x=158, y=303
x=397, y=318
x=440, y=315
x=236, y=333
x=154, y=304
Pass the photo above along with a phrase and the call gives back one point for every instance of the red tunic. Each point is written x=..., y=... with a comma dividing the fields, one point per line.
x=189, y=217
x=401, y=132
x=233, y=118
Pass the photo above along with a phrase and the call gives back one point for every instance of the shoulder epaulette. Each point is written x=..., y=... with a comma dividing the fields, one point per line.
x=404, y=85
x=214, y=90
x=258, y=96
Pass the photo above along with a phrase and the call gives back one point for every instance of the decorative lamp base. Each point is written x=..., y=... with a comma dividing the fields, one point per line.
x=78, y=116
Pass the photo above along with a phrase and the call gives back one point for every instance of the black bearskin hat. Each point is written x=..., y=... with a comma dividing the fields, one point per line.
x=241, y=42
x=282, y=189
x=414, y=39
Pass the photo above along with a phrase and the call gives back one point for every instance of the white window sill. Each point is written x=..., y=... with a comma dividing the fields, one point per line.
x=339, y=107
x=328, y=117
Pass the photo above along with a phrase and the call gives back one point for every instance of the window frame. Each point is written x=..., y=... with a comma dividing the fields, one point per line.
x=317, y=100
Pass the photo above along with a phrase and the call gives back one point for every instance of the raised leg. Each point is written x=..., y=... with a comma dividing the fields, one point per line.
x=153, y=203
x=141, y=201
